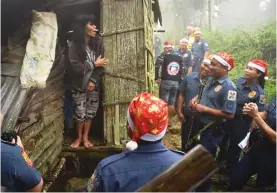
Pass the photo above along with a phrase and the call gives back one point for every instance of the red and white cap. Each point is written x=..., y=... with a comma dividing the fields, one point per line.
x=184, y=41
x=197, y=30
x=147, y=118
x=190, y=26
x=226, y=59
x=206, y=61
x=168, y=44
x=260, y=65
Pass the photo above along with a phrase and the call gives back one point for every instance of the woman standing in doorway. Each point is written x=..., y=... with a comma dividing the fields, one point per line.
x=85, y=82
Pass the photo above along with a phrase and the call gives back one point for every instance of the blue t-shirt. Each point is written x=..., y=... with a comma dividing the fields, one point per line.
x=16, y=174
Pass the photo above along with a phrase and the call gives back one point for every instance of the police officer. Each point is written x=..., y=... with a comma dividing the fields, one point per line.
x=218, y=103
x=187, y=57
x=261, y=158
x=188, y=89
x=17, y=171
x=168, y=71
x=145, y=157
x=250, y=89
x=199, y=49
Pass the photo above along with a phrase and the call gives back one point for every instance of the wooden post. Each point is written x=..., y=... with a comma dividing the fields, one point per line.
x=188, y=173
x=116, y=126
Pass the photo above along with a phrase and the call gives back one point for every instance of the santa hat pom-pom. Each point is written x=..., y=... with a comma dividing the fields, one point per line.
x=132, y=145
x=266, y=77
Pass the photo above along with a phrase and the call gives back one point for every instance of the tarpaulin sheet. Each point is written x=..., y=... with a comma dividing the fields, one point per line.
x=40, y=50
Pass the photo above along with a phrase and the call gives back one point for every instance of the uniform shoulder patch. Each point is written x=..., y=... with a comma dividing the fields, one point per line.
x=232, y=95
x=93, y=182
x=262, y=99
x=176, y=151
x=27, y=159
x=206, y=44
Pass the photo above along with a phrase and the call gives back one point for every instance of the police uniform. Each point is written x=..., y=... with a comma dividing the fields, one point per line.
x=260, y=160
x=238, y=127
x=171, y=72
x=219, y=94
x=189, y=88
x=199, y=47
x=187, y=60
x=17, y=171
x=128, y=171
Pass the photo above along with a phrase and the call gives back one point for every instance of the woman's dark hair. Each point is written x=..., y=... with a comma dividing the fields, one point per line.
x=78, y=36
x=261, y=80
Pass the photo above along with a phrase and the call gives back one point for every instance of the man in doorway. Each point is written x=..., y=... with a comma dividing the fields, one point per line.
x=200, y=49
x=168, y=72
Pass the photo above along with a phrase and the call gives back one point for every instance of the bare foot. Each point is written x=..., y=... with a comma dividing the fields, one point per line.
x=75, y=144
x=87, y=143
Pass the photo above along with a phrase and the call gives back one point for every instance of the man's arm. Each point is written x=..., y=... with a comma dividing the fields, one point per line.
x=26, y=175
x=94, y=183
x=206, y=49
x=158, y=65
x=189, y=63
x=228, y=109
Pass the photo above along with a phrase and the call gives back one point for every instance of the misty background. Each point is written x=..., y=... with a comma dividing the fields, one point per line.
x=224, y=15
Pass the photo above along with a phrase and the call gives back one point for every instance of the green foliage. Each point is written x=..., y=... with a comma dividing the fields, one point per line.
x=246, y=45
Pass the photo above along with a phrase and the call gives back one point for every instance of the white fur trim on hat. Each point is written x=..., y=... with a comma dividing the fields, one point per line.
x=206, y=61
x=222, y=61
x=145, y=137
x=258, y=67
x=184, y=40
x=132, y=145
x=169, y=46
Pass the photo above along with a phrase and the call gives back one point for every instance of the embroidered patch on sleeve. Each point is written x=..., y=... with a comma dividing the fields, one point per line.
x=232, y=95
x=27, y=159
x=206, y=44
x=93, y=182
x=262, y=99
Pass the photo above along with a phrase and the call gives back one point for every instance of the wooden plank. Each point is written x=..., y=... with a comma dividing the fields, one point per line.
x=123, y=31
x=116, y=126
x=185, y=175
x=123, y=76
x=116, y=103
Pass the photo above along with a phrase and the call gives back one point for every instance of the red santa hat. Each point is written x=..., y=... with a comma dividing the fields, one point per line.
x=147, y=118
x=226, y=59
x=168, y=44
x=260, y=65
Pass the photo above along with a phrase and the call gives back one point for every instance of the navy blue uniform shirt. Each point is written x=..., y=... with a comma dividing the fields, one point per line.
x=16, y=174
x=254, y=94
x=199, y=47
x=219, y=94
x=128, y=171
x=187, y=59
x=189, y=88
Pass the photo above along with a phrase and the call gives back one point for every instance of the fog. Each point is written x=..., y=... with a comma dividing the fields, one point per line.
x=225, y=14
